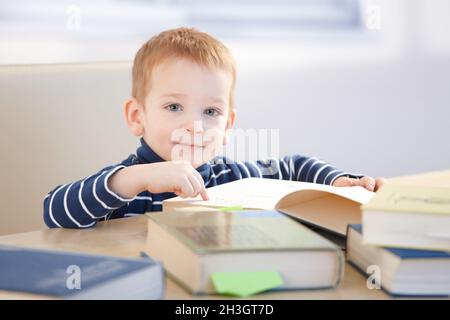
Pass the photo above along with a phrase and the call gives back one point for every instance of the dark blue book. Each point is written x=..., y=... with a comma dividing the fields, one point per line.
x=400, y=272
x=79, y=276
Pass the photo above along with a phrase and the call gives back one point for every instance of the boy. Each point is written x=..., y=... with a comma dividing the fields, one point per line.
x=181, y=104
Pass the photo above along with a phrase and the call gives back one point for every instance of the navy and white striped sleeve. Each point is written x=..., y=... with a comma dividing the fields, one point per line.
x=82, y=203
x=295, y=168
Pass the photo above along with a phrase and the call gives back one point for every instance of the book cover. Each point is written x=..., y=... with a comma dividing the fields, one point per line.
x=412, y=199
x=206, y=232
x=73, y=275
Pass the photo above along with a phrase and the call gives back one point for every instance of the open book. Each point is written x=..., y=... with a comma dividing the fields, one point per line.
x=323, y=206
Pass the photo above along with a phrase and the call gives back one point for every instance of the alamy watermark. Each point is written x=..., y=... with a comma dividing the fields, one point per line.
x=374, y=279
x=73, y=18
x=73, y=281
x=242, y=144
x=372, y=16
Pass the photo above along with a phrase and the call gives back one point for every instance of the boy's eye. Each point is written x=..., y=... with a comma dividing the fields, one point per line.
x=212, y=112
x=173, y=107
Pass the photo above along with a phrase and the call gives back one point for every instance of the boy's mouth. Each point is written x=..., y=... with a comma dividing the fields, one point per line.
x=190, y=145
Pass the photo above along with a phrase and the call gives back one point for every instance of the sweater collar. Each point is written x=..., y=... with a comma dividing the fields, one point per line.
x=147, y=155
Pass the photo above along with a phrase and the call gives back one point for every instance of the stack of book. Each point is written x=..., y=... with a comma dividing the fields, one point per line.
x=405, y=236
x=404, y=232
x=196, y=239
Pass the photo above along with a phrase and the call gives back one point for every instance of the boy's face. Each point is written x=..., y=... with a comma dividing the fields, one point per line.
x=186, y=112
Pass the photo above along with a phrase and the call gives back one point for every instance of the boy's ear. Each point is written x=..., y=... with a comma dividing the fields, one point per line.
x=229, y=127
x=133, y=113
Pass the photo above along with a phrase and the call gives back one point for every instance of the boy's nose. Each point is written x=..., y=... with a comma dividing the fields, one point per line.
x=195, y=126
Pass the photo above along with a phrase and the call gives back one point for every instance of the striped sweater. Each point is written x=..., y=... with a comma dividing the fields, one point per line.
x=82, y=203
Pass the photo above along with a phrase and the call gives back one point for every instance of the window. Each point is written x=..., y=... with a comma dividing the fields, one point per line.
x=51, y=31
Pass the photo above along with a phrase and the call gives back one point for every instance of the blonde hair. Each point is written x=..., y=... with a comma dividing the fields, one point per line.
x=187, y=43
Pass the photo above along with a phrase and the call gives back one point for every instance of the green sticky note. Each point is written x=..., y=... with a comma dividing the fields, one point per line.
x=232, y=208
x=244, y=284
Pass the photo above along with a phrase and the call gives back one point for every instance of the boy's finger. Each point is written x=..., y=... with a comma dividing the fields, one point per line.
x=343, y=182
x=350, y=182
x=201, y=183
x=200, y=189
x=379, y=182
x=197, y=185
x=199, y=177
x=368, y=183
x=204, y=194
x=186, y=188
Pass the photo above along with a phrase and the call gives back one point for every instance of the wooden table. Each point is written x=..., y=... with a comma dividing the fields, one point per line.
x=126, y=238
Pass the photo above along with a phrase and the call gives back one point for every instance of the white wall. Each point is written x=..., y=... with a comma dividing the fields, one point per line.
x=378, y=107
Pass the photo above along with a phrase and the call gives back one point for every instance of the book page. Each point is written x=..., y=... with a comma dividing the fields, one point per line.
x=258, y=193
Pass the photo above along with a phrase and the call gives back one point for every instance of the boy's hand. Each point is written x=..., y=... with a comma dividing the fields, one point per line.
x=367, y=182
x=169, y=176
x=179, y=177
